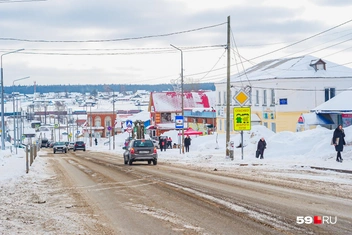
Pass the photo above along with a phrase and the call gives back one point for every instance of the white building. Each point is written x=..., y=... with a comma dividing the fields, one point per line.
x=281, y=90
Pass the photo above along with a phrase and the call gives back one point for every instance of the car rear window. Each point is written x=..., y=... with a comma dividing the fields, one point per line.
x=143, y=143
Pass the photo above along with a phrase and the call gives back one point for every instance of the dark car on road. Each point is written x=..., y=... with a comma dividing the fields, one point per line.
x=44, y=143
x=140, y=150
x=60, y=147
x=79, y=145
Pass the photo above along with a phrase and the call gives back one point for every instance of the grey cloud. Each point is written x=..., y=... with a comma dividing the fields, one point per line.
x=337, y=3
x=55, y=21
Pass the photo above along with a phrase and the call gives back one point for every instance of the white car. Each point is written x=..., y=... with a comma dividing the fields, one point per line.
x=71, y=145
x=60, y=147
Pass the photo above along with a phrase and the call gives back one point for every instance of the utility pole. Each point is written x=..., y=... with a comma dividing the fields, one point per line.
x=113, y=120
x=228, y=90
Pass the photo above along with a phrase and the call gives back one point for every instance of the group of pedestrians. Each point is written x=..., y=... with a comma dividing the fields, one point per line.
x=338, y=140
x=165, y=142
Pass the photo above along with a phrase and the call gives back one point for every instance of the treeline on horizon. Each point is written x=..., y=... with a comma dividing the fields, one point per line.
x=121, y=88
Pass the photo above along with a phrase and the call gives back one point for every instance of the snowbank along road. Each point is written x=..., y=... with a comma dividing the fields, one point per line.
x=95, y=193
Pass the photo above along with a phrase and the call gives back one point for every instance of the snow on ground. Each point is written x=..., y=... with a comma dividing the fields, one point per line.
x=292, y=154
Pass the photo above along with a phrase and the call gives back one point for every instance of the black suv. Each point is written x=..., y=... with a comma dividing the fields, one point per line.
x=79, y=145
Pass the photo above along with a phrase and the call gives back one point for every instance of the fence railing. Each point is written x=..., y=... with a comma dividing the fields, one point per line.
x=31, y=154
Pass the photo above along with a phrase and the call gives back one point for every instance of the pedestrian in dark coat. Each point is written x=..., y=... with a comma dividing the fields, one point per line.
x=187, y=143
x=165, y=143
x=169, y=142
x=96, y=141
x=260, y=148
x=161, y=143
x=338, y=141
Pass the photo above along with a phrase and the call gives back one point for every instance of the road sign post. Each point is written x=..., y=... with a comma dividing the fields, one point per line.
x=179, y=124
x=242, y=121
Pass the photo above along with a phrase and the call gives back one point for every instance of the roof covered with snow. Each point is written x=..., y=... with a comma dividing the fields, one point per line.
x=296, y=67
x=341, y=103
x=172, y=102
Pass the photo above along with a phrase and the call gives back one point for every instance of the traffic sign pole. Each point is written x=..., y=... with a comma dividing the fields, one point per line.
x=242, y=121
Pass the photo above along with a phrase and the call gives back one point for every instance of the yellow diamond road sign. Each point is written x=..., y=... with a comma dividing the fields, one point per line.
x=241, y=97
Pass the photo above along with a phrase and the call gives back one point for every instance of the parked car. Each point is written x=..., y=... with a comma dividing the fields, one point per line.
x=44, y=143
x=60, y=147
x=140, y=150
x=79, y=145
x=51, y=144
x=71, y=145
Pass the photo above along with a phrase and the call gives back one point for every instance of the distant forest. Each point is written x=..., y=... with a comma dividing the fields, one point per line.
x=122, y=88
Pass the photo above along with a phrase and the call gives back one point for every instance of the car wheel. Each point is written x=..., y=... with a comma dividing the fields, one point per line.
x=155, y=162
x=124, y=159
x=54, y=151
x=149, y=162
x=65, y=151
x=130, y=161
x=74, y=150
x=84, y=149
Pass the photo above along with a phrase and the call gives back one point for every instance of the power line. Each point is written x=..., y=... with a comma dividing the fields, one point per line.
x=111, y=40
x=112, y=52
x=292, y=44
x=294, y=89
x=17, y=1
x=305, y=39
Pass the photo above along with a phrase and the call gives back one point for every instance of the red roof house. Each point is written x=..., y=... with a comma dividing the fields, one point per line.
x=164, y=106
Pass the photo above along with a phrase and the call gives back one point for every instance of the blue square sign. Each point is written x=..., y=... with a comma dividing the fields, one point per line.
x=128, y=123
x=179, y=122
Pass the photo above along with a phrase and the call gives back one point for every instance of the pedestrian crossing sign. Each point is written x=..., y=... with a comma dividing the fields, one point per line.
x=242, y=118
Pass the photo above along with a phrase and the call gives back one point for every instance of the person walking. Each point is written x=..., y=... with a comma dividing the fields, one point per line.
x=161, y=143
x=96, y=141
x=187, y=143
x=165, y=143
x=260, y=148
x=169, y=142
x=338, y=141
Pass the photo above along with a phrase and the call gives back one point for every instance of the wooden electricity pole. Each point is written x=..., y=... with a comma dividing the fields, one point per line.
x=228, y=90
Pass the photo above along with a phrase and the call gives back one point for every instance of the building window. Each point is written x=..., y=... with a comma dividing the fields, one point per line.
x=264, y=98
x=272, y=97
x=329, y=93
x=166, y=117
x=265, y=124
x=97, y=121
x=257, y=97
x=225, y=98
x=273, y=126
x=219, y=93
x=107, y=121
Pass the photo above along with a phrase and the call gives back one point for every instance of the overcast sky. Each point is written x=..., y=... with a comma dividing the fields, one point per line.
x=117, y=42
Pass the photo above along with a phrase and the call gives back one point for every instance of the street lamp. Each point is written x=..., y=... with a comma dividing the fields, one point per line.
x=214, y=116
x=14, y=122
x=183, y=130
x=90, y=121
x=2, y=100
